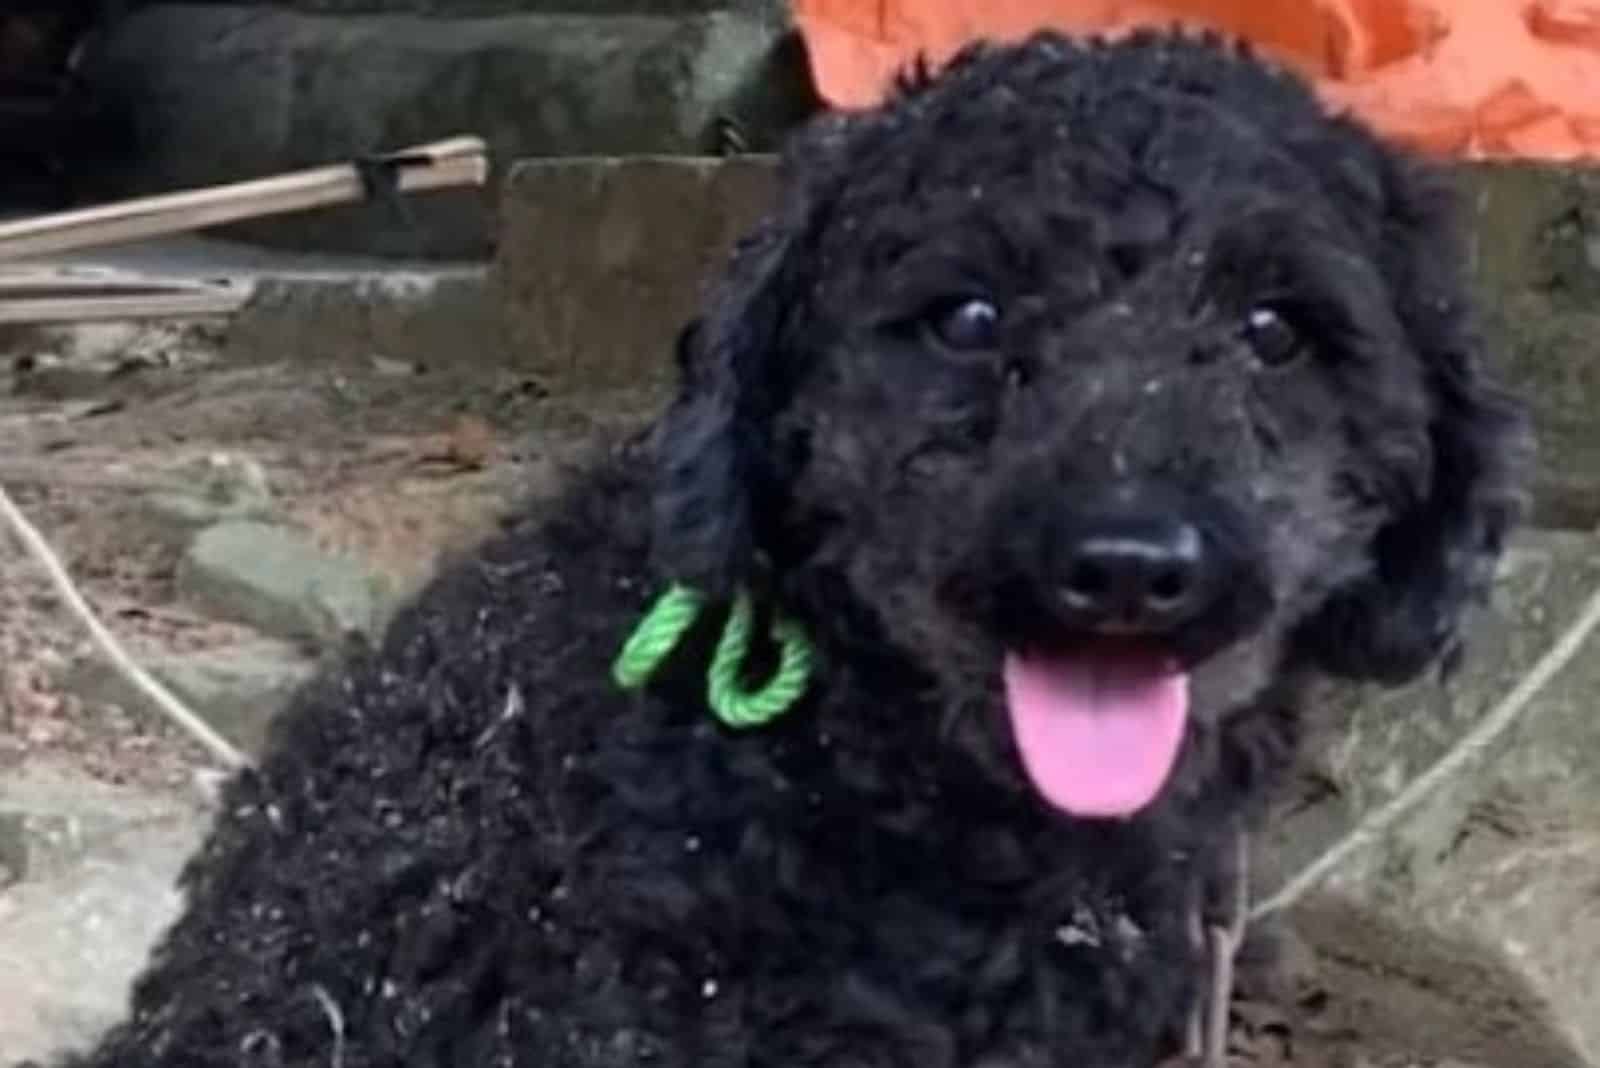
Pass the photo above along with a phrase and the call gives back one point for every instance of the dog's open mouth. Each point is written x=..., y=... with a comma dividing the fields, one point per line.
x=1099, y=727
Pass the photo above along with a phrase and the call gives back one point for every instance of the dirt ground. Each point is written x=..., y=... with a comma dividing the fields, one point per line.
x=386, y=464
x=390, y=464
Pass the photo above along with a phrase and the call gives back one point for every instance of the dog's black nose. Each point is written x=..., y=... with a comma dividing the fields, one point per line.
x=1134, y=575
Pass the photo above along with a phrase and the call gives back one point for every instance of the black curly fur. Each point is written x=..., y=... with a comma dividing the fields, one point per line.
x=466, y=848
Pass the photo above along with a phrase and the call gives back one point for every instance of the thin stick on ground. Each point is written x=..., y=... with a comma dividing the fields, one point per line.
x=459, y=161
x=1458, y=757
x=1224, y=942
x=1194, y=1035
x=34, y=544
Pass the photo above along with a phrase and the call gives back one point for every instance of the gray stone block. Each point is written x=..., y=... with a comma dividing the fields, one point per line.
x=101, y=888
x=51, y=819
x=1473, y=929
x=604, y=259
x=273, y=579
x=203, y=491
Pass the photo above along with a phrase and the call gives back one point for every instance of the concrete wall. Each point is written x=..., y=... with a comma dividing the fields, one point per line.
x=504, y=7
x=1536, y=256
x=228, y=91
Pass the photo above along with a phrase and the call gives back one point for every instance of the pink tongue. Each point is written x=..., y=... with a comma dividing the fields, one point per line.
x=1099, y=734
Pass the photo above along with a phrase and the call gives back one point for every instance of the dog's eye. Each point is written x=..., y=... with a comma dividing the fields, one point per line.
x=967, y=325
x=1272, y=337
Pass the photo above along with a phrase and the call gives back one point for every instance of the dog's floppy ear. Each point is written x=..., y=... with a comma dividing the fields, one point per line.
x=712, y=443
x=1437, y=557
x=714, y=450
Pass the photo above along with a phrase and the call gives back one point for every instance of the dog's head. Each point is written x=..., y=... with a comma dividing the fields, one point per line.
x=1106, y=378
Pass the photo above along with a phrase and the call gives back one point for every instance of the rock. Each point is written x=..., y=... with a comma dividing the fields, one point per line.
x=49, y=376
x=217, y=487
x=13, y=849
x=63, y=362
x=227, y=92
x=100, y=889
x=56, y=817
x=275, y=580
x=235, y=689
x=638, y=236
x=1473, y=929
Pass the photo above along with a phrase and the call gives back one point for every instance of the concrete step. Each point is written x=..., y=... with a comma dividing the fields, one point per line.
x=315, y=307
x=583, y=238
x=98, y=886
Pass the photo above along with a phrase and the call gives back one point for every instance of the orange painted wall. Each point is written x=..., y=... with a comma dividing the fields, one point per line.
x=1466, y=78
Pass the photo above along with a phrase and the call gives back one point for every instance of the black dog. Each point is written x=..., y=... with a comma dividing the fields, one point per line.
x=1069, y=412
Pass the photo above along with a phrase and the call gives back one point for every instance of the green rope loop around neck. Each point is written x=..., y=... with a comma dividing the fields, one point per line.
x=657, y=634
x=664, y=626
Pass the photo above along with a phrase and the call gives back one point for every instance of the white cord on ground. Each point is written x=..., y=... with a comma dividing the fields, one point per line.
x=35, y=545
x=1471, y=746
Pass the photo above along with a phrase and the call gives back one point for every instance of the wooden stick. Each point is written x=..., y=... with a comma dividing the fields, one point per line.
x=1225, y=943
x=176, y=303
x=75, y=294
x=43, y=311
x=460, y=161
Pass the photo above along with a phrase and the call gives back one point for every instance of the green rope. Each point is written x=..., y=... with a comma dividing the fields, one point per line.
x=674, y=613
x=657, y=634
x=738, y=707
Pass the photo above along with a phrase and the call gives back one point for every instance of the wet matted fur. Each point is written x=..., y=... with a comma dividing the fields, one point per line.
x=1050, y=280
